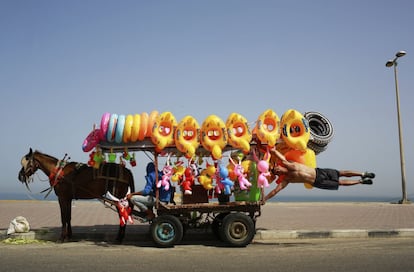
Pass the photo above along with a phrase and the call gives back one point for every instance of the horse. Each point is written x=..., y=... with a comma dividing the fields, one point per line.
x=73, y=180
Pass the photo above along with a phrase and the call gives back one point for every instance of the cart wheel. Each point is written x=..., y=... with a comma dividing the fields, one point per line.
x=166, y=230
x=238, y=229
x=217, y=223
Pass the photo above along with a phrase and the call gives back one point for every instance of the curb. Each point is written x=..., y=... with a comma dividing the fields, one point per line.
x=261, y=235
x=352, y=233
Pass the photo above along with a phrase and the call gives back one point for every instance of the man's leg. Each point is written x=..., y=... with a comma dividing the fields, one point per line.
x=350, y=173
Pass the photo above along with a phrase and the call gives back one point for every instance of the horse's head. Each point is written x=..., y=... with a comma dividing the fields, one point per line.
x=29, y=167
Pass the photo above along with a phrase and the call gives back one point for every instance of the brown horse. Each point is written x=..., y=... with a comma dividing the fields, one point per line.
x=77, y=181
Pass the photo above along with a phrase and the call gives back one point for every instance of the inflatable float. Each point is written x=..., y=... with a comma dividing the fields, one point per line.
x=163, y=131
x=214, y=135
x=187, y=136
x=267, y=127
x=295, y=130
x=239, y=134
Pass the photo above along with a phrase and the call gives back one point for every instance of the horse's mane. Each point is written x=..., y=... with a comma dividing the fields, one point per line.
x=46, y=155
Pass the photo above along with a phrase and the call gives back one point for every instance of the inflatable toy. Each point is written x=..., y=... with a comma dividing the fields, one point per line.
x=143, y=126
x=267, y=127
x=151, y=120
x=119, y=132
x=165, y=180
x=239, y=135
x=124, y=210
x=110, y=134
x=163, y=131
x=136, y=124
x=224, y=179
x=91, y=140
x=241, y=176
x=188, y=181
x=206, y=177
x=186, y=136
x=214, y=135
x=295, y=130
x=129, y=121
x=263, y=168
x=178, y=172
x=104, y=125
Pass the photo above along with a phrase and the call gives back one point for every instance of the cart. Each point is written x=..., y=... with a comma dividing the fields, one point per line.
x=233, y=222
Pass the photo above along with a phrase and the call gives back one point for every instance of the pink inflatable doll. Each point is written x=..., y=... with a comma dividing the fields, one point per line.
x=241, y=176
x=263, y=167
x=166, y=177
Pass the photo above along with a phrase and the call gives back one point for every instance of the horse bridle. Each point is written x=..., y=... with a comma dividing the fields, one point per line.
x=31, y=166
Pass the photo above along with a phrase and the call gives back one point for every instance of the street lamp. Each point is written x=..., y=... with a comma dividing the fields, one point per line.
x=394, y=63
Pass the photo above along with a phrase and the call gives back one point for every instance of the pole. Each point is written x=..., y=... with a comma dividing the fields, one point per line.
x=404, y=199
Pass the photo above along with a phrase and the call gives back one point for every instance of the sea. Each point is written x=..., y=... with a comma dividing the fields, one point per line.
x=279, y=198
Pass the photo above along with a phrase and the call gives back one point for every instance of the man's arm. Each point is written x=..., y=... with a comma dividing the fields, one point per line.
x=278, y=155
x=278, y=188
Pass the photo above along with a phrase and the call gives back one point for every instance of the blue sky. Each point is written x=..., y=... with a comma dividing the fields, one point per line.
x=65, y=63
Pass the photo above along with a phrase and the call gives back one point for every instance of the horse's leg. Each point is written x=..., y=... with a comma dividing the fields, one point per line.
x=65, y=215
x=121, y=230
x=121, y=233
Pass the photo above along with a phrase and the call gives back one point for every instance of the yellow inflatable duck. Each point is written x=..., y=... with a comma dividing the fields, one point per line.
x=206, y=177
x=163, y=131
x=214, y=135
x=238, y=132
x=267, y=128
x=295, y=130
x=187, y=136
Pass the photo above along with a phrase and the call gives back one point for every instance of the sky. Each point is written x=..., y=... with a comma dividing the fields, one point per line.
x=65, y=63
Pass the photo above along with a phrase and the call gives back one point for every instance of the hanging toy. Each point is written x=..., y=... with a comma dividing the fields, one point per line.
x=224, y=179
x=244, y=184
x=111, y=156
x=206, y=176
x=263, y=167
x=124, y=210
x=98, y=158
x=132, y=160
x=166, y=177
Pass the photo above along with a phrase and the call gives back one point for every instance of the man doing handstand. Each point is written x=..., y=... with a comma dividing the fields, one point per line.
x=323, y=178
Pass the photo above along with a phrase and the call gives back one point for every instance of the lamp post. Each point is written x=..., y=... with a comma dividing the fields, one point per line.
x=393, y=63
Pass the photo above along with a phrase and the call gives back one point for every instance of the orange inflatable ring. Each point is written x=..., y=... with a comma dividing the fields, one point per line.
x=238, y=132
x=213, y=135
x=163, y=131
x=267, y=128
x=295, y=130
x=143, y=126
x=136, y=123
x=187, y=136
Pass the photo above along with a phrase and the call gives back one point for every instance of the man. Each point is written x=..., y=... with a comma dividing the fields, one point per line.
x=145, y=199
x=323, y=178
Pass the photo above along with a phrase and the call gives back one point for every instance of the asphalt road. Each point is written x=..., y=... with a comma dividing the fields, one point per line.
x=374, y=254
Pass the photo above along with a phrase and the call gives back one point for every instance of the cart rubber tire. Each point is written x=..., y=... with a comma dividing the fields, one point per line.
x=237, y=229
x=166, y=230
x=217, y=224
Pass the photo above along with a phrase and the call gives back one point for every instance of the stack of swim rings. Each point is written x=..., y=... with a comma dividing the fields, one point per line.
x=293, y=131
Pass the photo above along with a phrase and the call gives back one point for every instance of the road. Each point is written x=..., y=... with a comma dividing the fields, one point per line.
x=373, y=254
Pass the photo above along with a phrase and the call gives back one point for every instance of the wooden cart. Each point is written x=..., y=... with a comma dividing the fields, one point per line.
x=233, y=222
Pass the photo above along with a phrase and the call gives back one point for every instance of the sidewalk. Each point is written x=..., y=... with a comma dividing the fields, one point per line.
x=279, y=220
